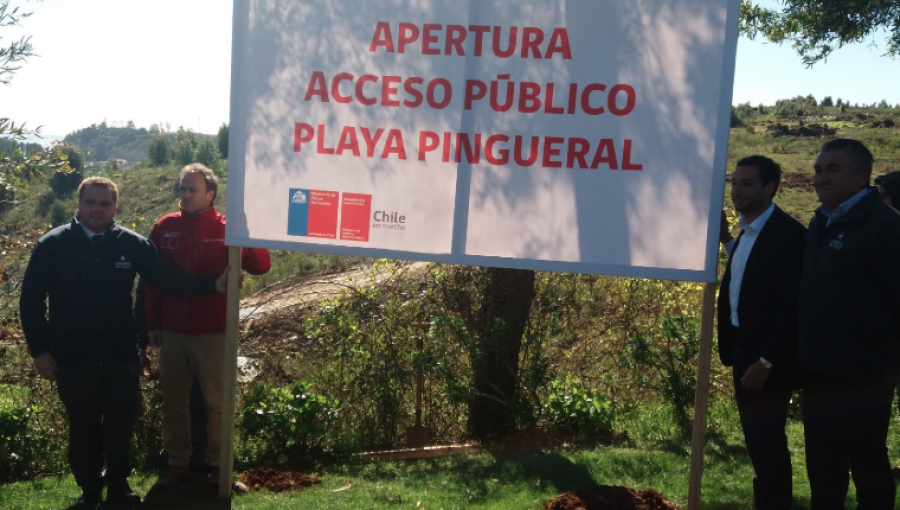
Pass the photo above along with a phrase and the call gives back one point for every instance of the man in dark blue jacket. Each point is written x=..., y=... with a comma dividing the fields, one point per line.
x=849, y=331
x=88, y=342
x=758, y=324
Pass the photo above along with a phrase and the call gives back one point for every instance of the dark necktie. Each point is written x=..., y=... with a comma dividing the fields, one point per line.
x=97, y=239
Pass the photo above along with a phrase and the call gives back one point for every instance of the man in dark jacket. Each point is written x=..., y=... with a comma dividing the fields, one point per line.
x=88, y=342
x=758, y=324
x=849, y=331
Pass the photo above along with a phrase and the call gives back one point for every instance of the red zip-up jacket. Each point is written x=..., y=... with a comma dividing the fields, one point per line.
x=196, y=245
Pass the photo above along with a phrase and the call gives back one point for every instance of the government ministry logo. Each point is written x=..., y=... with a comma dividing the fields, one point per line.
x=313, y=213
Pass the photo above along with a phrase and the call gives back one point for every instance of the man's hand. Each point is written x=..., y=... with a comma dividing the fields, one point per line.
x=222, y=281
x=725, y=230
x=155, y=339
x=756, y=376
x=45, y=365
x=145, y=363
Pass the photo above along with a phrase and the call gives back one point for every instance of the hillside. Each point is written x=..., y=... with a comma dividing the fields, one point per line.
x=790, y=132
x=100, y=142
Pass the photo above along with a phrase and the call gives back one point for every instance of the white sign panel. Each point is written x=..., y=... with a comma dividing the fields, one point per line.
x=570, y=135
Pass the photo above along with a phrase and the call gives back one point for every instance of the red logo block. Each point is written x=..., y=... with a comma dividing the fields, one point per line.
x=323, y=213
x=355, y=211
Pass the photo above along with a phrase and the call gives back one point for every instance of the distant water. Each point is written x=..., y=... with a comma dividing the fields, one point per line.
x=45, y=140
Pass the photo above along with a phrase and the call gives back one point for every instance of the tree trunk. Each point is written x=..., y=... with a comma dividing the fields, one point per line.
x=495, y=354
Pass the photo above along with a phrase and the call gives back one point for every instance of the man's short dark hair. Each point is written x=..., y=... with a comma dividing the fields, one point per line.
x=769, y=171
x=859, y=154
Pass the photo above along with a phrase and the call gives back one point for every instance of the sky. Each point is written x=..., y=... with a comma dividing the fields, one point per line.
x=169, y=61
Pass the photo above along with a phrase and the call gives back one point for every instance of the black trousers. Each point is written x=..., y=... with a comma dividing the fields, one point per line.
x=763, y=417
x=846, y=425
x=100, y=401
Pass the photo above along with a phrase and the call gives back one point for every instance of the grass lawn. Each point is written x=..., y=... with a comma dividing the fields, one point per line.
x=495, y=480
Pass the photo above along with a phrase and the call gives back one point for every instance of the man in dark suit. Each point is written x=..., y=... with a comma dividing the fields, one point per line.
x=757, y=315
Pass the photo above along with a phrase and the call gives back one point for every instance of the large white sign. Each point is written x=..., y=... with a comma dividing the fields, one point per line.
x=569, y=135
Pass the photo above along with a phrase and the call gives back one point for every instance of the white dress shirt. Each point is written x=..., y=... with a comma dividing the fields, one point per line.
x=740, y=256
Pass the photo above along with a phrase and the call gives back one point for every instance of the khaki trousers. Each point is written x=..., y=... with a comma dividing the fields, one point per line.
x=180, y=358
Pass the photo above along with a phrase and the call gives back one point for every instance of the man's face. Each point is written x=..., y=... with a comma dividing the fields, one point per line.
x=194, y=196
x=749, y=195
x=836, y=180
x=96, y=207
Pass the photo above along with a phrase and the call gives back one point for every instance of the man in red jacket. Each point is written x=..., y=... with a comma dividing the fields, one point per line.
x=190, y=331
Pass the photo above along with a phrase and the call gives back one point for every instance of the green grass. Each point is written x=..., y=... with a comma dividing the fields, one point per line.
x=657, y=456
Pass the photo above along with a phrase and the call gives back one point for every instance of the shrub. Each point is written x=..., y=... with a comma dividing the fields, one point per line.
x=158, y=149
x=64, y=183
x=21, y=444
x=184, y=153
x=571, y=406
x=286, y=421
x=208, y=153
x=59, y=214
x=664, y=360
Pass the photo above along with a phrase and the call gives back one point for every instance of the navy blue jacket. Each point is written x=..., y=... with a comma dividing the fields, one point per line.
x=850, y=294
x=89, y=287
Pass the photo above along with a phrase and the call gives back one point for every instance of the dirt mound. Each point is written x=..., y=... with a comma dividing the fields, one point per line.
x=797, y=180
x=886, y=123
x=608, y=497
x=817, y=130
x=277, y=481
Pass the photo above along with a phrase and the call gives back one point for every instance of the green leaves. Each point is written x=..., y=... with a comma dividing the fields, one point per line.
x=287, y=421
x=815, y=28
x=572, y=407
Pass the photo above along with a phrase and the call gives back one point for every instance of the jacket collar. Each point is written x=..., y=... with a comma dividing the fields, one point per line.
x=204, y=215
x=77, y=225
x=857, y=212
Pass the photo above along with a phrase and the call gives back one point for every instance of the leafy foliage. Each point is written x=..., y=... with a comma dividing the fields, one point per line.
x=17, y=51
x=158, y=149
x=815, y=28
x=571, y=406
x=287, y=421
x=664, y=360
x=208, y=153
x=222, y=140
x=21, y=441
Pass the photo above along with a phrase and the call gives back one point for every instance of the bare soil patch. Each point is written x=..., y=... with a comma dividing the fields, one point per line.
x=277, y=481
x=797, y=180
x=317, y=288
x=608, y=497
x=815, y=130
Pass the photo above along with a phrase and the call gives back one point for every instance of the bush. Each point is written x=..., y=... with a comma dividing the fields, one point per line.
x=184, y=153
x=208, y=153
x=21, y=444
x=288, y=421
x=59, y=214
x=570, y=406
x=158, y=149
x=64, y=183
x=664, y=360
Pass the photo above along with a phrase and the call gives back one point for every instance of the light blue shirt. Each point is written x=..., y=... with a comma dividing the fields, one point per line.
x=843, y=208
x=740, y=256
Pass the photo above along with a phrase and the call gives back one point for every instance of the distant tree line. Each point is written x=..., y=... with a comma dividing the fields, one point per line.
x=184, y=147
x=803, y=106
